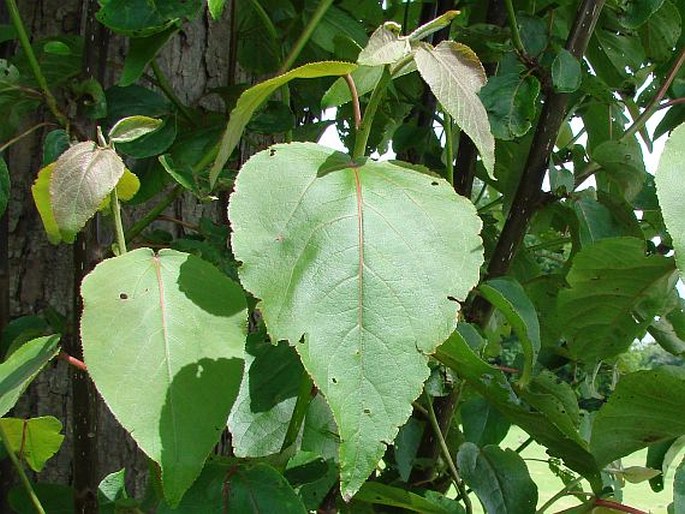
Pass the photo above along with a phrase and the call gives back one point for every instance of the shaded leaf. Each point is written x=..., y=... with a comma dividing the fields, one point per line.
x=81, y=179
x=141, y=51
x=507, y=295
x=57, y=499
x=670, y=189
x=34, y=440
x=660, y=34
x=20, y=368
x=455, y=75
x=616, y=290
x=251, y=99
x=139, y=18
x=153, y=373
x=132, y=127
x=660, y=456
x=499, y=477
x=553, y=427
x=632, y=419
x=323, y=251
x=566, y=72
x=482, y=424
x=381, y=494
x=669, y=332
x=637, y=12
x=679, y=488
x=623, y=167
x=511, y=102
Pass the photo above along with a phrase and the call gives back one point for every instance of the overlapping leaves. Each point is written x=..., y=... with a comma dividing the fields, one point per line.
x=339, y=253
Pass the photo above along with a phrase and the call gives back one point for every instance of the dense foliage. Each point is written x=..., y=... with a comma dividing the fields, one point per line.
x=367, y=331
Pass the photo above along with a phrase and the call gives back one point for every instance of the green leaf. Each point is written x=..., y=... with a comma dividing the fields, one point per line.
x=600, y=216
x=679, y=488
x=216, y=7
x=81, y=179
x=385, y=46
x=455, y=75
x=57, y=48
x=636, y=12
x=112, y=489
x=636, y=474
x=55, y=144
x=324, y=250
x=481, y=423
x=57, y=499
x=566, y=72
x=622, y=166
x=669, y=332
x=499, y=477
x=4, y=186
x=511, y=102
x=660, y=34
x=337, y=24
x=265, y=403
x=141, y=52
x=132, y=127
x=140, y=18
x=152, y=143
x=613, y=285
x=35, y=440
x=244, y=489
x=20, y=368
x=660, y=456
x=632, y=419
x=670, y=190
x=251, y=99
x=552, y=427
x=381, y=494
x=179, y=339
x=507, y=295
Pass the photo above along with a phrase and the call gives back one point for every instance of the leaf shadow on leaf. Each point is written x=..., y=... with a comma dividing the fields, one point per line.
x=195, y=279
x=339, y=161
x=188, y=429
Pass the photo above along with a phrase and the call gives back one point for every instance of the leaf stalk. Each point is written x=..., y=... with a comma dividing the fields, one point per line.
x=362, y=137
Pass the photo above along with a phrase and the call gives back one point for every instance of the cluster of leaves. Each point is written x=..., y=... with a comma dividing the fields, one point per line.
x=357, y=274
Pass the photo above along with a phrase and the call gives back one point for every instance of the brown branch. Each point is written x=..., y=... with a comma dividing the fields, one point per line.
x=529, y=192
x=673, y=102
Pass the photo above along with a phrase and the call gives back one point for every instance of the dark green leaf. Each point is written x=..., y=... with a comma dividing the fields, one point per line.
x=327, y=212
x=152, y=143
x=632, y=419
x=140, y=18
x=669, y=331
x=637, y=12
x=381, y=494
x=499, y=478
x=613, y=285
x=55, y=144
x=511, y=104
x=141, y=51
x=335, y=24
x=623, y=166
x=507, y=295
x=20, y=368
x=566, y=72
x=482, y=423
x=56, y=499
x=679, y=488
x=600, y=216
x=159, y=382
x=661, y=32
x=551, y=427
x=660, y=456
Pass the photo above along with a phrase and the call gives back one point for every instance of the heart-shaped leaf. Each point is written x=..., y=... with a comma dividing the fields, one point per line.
x=163, y=338
x=341, y=254
x=35, y=439
x=81, y=179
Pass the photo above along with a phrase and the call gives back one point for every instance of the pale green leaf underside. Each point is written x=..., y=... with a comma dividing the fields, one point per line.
x=455, y=75
x=163, y=337
x=132, y=127
x=81, y=179
x=345, y=259
x=384, y=47
x=670, y=189
x=251, y=99
x=21, y=367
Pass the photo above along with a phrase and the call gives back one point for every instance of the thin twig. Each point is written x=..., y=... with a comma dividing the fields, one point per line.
x=151, y=216
x=355, y=101
x=515, y=34
x=305, y=35
x=22, y=474
x=673, y=102
x=23, y=135
x=618, y=506
x=458, y=482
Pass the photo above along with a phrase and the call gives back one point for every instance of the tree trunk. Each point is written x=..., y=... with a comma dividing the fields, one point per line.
x=41, y=276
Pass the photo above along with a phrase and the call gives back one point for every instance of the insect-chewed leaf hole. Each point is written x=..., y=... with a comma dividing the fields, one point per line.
x=123, y=296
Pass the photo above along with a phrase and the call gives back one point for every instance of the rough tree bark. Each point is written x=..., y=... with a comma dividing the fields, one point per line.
x=41, y=275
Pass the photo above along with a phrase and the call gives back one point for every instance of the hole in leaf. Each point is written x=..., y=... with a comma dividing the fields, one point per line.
x=452, y=299
x=367, y=411
x=334, y=380
x=434, y=183
x=123, y=296
x=272, y=152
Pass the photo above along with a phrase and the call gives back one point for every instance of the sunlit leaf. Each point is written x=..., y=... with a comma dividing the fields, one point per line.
x=35, y=440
